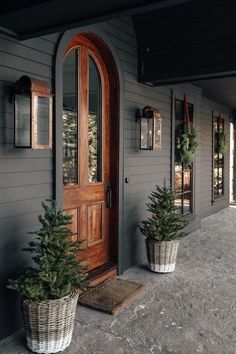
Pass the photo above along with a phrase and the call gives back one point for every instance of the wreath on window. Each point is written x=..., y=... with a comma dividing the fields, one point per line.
x=222, y=143
x=187, y=142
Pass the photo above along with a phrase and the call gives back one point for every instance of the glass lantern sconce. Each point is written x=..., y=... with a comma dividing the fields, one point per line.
x=150, y=128
x=33, y=114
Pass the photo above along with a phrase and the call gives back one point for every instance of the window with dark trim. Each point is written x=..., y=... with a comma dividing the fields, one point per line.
x=218, y=160
x=183, y=174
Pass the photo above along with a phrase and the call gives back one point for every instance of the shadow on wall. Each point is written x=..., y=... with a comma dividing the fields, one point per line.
x=12, y=260
x=10, y=319
x=135, y=252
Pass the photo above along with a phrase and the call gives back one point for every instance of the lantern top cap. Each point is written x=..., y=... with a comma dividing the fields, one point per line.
x=148, y=112
x=27, y=84
x=151, y=112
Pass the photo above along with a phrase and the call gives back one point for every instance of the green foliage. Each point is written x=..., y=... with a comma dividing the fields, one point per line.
x=164, y=224
x=69, y=147
x=93, y=147
x=57, y=272
x=187, y=144
x=222, y=143
x=70, y=140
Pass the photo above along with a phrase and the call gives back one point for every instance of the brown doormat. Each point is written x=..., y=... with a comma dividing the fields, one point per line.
x=112, y=295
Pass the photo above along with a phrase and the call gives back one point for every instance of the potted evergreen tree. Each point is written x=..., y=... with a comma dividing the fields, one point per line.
x=162, y=230
x=50, y=289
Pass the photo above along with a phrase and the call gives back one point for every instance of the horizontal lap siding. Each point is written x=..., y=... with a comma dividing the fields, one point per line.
x=144, y=169
x=25, y=175
x=204, y=161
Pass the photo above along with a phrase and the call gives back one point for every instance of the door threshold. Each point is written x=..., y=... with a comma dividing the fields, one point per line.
x=102, y=273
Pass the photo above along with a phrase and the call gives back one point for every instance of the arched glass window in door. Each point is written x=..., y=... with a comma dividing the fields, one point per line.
x=82, y=119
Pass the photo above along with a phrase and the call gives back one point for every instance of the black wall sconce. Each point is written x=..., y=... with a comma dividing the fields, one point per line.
x=33, y=114
x=150, y=128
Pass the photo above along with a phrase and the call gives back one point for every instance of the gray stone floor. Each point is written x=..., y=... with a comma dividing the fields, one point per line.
x=192, y=310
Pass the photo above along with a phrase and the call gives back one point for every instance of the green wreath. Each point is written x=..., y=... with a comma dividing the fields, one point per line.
x=222, y=143
x=187, y=144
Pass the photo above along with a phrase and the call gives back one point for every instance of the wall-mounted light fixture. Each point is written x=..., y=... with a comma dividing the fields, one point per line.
x=33, y=114
x=150, y=128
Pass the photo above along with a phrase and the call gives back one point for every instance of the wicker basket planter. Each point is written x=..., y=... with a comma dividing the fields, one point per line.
x=162, y=255
x=49, y=324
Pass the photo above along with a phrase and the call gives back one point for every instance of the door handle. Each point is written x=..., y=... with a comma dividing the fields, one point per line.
x=109, y=196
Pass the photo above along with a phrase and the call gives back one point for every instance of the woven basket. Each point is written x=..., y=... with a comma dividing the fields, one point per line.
x=162, y=255
x=49, y=324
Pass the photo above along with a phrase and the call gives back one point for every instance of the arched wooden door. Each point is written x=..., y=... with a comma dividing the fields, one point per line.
x=86, y=149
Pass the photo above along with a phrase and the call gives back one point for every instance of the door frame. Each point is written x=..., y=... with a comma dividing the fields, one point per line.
x=98, y=36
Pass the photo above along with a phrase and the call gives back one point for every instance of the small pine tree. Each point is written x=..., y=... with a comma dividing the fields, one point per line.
x=58, y=271
x=165, y=223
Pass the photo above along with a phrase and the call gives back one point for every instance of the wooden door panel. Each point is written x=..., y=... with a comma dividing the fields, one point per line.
x=74, y=196
x=86, y=201
x=95, y=223
x=89, y=226
x=94, y=256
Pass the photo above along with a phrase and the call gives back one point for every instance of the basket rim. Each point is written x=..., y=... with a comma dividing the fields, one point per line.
x=71, y=295
x=177, y=241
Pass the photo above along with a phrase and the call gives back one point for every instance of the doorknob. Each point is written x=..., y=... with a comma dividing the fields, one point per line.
x=109, y=196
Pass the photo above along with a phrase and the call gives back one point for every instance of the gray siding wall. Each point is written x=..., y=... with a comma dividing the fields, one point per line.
x=145, y=169
x=26, y=177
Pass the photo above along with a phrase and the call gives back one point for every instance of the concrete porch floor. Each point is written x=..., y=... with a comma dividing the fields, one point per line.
x=192, y=310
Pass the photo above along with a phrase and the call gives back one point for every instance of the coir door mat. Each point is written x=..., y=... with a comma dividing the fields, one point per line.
x=112, y=296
